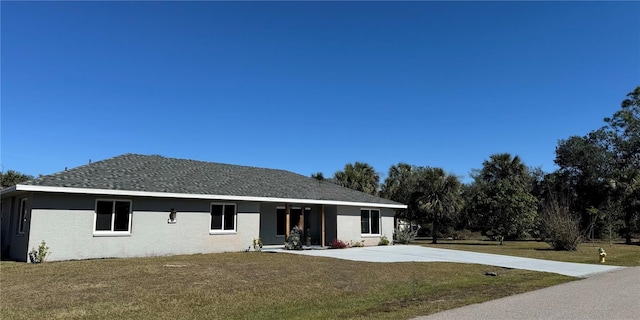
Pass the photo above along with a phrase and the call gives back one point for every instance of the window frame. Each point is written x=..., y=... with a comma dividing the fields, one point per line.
x=235, y=218
x=370, y=233
x=22, y=216
x=112, y=232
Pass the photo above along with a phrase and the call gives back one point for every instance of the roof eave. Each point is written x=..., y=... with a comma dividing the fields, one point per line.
x=8, y=190
x=111, y=192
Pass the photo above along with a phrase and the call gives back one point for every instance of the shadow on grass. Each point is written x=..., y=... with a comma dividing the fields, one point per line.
x=550, y=249
x=469, y=244
x=462, y=243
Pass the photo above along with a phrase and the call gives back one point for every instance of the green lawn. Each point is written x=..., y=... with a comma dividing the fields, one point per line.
x=617, y=254
x=250, y=286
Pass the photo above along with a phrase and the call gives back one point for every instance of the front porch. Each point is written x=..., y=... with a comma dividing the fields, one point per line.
x=317, y=222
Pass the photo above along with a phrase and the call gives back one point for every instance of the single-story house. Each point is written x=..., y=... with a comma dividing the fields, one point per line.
x=139, y=205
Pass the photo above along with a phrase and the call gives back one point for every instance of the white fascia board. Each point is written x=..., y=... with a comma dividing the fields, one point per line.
x=22, y=187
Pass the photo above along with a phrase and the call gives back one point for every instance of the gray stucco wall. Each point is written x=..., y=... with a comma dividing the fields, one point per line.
x=330, y=216
x=66, y=223
x=348, y=225
x=268, y=221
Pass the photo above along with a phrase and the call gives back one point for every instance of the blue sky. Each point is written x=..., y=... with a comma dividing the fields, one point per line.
x=309, y=86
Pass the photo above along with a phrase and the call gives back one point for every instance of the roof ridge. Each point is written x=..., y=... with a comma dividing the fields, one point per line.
x=207, y=162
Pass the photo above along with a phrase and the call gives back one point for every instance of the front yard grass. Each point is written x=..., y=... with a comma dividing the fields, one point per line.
x=251, y=286
x=618, y=254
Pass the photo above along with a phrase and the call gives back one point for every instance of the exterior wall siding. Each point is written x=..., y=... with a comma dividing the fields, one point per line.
x=331, y=220
x=348, y=225
x=268, y=221
x=66, y=223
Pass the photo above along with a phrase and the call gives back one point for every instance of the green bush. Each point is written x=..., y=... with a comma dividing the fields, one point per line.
x=404, y=235
x=561, y=227
x=294, y=242
x=357, y=244
x=39, y=255
x=383, y=241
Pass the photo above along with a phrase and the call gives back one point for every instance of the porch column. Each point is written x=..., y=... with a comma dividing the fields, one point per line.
x=301, y=222
x=287, y=210
x=323, y=243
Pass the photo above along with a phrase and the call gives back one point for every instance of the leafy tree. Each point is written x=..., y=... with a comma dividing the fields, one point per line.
x=585, y=168
x=624, y=133
x=602, y=169
x=502, y=203
x=318, y=176
x=623, y=130
x=437, y=196
x=11, y=178
x=358, y=176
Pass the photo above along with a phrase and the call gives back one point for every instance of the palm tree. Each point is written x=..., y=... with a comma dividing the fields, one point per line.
x=437, y=195
x=502, y=166
x=11, y=177
x=507, y=207
x=396, y=185
x=318, y=176
x=358, y=176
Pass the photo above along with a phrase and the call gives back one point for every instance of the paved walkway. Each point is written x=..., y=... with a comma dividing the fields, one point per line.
x=613, y=295
x=409, y=253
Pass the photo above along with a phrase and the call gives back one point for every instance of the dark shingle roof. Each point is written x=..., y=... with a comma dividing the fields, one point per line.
x=133, y=172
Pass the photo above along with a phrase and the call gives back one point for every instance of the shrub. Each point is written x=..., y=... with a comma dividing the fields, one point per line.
x=256, y=245
x=404, y=235
x=383, y=241
x=39, y=255
x=561, y=227
x=357, y=244
x=294, y=242
x=463, y=234
x=338, y=244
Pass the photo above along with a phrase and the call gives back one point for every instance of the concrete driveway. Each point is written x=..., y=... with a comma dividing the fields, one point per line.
x=409, y=253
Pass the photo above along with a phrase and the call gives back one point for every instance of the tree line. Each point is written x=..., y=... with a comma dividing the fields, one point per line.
x=594, y=193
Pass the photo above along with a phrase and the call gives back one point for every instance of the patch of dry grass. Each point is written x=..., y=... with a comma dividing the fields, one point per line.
x=617, y=254
x=250, y=286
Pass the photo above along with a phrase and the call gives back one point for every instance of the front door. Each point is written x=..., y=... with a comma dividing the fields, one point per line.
x=296, y=214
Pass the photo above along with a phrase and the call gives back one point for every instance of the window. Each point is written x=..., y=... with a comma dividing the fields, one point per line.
x=22, y=215
x=223, y=217
x=281, y=223
x=113, y=216
x=370, y=221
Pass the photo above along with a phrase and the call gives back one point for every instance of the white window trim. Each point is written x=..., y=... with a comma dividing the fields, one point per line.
x=235, y=218
x=367, y=235
x=111, y=233
x=22, y=215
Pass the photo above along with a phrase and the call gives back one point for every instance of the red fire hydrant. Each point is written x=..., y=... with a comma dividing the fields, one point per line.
x=602, y=255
